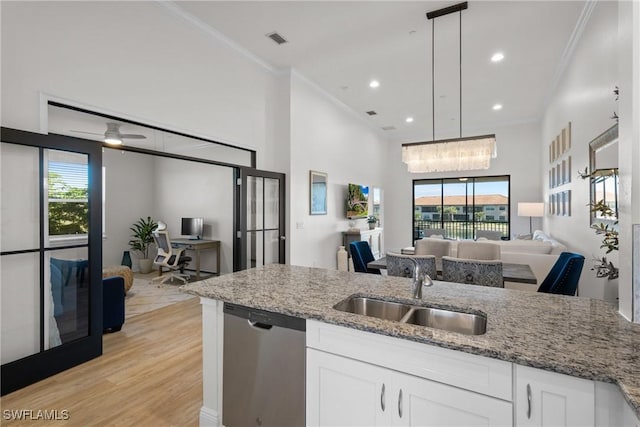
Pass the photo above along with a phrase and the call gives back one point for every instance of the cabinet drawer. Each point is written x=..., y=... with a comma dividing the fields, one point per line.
x=476, y=373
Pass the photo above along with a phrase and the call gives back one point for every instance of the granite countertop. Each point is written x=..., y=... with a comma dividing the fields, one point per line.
x=581, y=337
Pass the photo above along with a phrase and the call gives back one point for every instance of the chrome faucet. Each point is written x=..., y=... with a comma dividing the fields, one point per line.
x=419, y=280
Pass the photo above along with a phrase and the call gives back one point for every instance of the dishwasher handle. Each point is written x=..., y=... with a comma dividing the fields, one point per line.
x=259, y=325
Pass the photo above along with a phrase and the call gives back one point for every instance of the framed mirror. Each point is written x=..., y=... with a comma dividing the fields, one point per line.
x=603, y=172
x=318, y=193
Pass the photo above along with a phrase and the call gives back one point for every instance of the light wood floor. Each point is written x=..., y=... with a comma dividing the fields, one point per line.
x=150, y=374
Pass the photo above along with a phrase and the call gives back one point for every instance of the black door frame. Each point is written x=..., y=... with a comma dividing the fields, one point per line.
x=240, y=214
x=45, y=363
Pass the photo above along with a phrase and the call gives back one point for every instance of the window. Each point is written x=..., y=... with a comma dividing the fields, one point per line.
x=462, y=205
x=67, y=194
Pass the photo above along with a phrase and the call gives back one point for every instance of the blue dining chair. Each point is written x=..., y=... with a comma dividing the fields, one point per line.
x=564, y=275
x=361, y=255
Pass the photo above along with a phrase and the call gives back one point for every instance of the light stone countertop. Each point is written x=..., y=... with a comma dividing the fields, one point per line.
x=581, y=337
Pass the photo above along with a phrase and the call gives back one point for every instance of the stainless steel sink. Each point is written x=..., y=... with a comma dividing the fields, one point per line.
x=381, y=309
x=454, y=321
x=449, y=320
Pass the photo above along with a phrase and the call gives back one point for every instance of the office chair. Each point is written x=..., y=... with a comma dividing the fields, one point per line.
x=473, y=271
x=169, y=257
x=361, y=255
x=564, y=275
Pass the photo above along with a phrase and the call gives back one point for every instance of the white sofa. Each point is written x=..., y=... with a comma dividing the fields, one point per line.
x=540, y=253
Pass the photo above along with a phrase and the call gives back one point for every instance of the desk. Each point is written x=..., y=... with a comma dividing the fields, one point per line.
x=520, y=273
x=197, y=246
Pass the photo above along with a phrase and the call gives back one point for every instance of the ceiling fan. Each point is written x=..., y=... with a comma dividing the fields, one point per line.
x=112, y=135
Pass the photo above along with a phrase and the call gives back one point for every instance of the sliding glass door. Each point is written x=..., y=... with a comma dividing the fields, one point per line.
x=50, y=255
x=461, y=206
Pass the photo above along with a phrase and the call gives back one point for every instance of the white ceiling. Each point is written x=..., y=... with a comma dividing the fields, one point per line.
x=342, y=45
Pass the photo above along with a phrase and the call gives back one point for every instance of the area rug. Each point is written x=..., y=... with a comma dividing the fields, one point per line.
x=145, y=295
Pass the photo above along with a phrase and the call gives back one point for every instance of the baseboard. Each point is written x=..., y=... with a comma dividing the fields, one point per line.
x=209, y=418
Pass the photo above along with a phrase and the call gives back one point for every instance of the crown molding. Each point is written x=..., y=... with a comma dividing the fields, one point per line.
x=335, y=101
x=569, y=50
x=200, y=25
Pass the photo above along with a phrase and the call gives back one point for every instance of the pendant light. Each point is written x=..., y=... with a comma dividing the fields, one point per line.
x=459, y=154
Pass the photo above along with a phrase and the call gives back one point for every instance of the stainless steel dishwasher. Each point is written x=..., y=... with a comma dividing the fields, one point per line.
x=263, y=368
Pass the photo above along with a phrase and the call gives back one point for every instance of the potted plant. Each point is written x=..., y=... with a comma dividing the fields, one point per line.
x=142, y=237
x=609, y=235
x=372, y=220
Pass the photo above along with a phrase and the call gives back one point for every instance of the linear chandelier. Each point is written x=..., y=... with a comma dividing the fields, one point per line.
x=445, y=155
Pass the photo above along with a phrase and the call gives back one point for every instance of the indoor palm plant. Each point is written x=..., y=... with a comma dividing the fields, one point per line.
x=142, y=238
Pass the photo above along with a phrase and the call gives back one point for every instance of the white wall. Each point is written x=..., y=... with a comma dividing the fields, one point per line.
x=129, y=195
x=134, y=58
x=629, y=153
x=191, y=189
x=518, y=156
x=585, y=98
x=326, y=137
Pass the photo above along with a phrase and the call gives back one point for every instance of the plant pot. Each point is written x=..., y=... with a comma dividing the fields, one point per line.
x=145, y=265
x=372, y=226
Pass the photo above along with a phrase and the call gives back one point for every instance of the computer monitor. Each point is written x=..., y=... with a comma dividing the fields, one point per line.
x=192, y=227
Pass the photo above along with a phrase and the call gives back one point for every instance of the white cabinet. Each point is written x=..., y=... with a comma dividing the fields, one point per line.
x=630, y=418
x=544, y=398
x=422, y=402
x=346, y=392
x=373, y=237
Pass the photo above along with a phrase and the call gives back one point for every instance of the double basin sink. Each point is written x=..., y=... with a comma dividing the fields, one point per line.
x=453, y=321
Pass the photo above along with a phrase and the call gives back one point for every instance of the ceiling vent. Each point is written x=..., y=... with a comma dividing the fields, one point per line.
x=371, y=113
x=277, y=38
x=388, y=128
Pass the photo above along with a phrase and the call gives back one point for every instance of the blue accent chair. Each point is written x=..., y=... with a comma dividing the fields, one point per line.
x=112, y=303
x=564, y=275
x=361, y=255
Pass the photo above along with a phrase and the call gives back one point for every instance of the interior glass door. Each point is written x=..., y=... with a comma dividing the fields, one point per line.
x=50, y=254
x=260, y=219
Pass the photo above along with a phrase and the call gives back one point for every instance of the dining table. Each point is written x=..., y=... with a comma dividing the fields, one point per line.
x=511, y=272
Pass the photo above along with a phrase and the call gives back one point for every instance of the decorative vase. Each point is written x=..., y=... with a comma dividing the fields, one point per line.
x=145, y=265
x=342, y=259
x=126, y=259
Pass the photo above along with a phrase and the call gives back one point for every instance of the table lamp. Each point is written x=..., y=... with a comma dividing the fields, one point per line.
x=531, y=209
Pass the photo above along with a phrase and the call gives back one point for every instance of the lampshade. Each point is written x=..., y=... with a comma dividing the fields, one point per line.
x=535, y=209
x=459, y=154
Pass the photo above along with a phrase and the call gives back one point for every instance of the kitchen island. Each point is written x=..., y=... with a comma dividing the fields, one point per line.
x=578, y=337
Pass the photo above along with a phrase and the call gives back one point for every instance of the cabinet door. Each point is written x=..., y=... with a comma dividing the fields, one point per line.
x=546, y=398
x=630, y=418
x=420, y=402
x=345, y=392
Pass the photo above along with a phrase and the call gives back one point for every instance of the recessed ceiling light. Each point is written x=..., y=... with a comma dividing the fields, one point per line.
x=497, y=107
x=374, y=83
x=497, y=57
x=409, y=120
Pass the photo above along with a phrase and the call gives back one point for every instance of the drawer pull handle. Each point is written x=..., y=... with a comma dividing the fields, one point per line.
x=382, y=398
x=529, y=401
x=400, y=403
